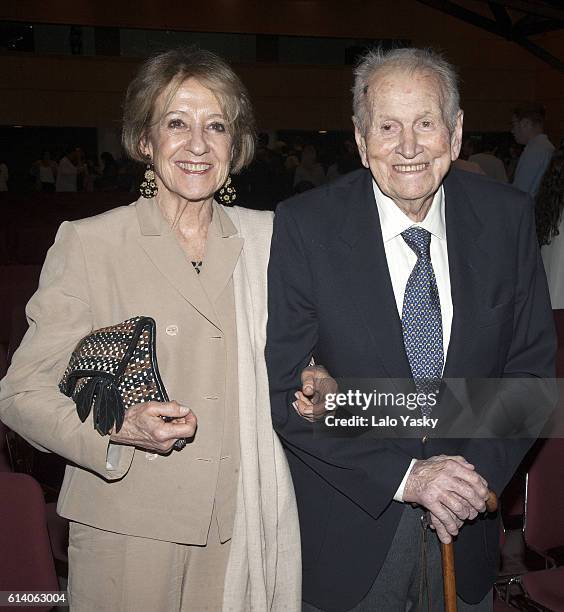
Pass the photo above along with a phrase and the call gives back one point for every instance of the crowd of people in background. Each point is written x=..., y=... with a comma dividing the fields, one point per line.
x=280, y=169
x=76, y=171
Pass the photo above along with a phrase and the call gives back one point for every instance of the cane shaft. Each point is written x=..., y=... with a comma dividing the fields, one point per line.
x=447, y=554
x=449, y=579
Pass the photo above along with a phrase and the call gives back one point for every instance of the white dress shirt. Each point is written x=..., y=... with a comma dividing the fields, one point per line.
x=401, y=261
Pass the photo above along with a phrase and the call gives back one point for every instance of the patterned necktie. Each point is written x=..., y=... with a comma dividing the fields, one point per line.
x=421, y=317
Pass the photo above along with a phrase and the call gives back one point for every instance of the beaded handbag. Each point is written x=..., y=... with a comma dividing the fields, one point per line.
x=112, y=369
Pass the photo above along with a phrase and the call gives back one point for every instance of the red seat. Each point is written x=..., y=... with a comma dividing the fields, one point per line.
x=544, y=516
x=546, y=588
x=543, y=529
x=26, y=562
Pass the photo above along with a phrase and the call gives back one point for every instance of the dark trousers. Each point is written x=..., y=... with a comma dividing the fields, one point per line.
x=411, y=577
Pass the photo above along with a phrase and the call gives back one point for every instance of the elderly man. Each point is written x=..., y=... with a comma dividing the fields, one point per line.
x=402, y=270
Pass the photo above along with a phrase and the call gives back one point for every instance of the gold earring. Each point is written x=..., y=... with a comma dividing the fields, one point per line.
x=148, y=187
x=227, y=194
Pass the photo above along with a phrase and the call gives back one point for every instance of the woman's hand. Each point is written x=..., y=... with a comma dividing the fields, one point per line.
x=144, y=426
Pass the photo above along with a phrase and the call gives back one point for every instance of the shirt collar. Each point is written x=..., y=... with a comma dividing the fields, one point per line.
x=394, y=221
x=536, y=140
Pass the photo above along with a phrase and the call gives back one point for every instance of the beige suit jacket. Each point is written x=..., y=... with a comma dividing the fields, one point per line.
x=101, y=271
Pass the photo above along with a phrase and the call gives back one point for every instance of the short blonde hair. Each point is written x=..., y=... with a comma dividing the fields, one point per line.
x=173, y=67
x=411, y=60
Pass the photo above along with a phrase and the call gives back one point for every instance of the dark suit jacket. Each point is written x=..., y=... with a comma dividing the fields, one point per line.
x=330, y=296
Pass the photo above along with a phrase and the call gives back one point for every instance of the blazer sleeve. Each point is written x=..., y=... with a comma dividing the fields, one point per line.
x=367, y=470
x=528, y=389
x=59, y=315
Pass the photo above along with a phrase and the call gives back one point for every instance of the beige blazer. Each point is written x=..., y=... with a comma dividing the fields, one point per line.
x=210, y=339
x=99, y=272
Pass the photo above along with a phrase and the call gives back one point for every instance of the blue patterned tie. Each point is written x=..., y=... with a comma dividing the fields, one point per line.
x=421, y=317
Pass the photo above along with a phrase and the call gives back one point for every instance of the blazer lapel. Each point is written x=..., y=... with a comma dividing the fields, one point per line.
x=223, y=249
x=163, y=249
x=369, y=277
x=468, y=265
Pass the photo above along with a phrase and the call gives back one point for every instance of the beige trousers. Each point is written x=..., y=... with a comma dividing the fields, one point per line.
x=112, y=572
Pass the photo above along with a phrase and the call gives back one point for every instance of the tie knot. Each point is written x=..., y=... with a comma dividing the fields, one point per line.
x=418, y=240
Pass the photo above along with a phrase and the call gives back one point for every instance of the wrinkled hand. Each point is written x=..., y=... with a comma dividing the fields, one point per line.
x=310, y=400
x=450, y=488
x=143, y=426
x=442, y=533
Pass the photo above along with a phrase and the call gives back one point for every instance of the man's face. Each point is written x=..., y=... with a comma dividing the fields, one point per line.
x=520, y=129
x=407, y=145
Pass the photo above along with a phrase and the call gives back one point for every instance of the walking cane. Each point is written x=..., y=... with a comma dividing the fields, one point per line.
x=447, y=554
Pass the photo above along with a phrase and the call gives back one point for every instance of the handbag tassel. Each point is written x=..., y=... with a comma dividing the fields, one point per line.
x=86, y=396
x=108, y=409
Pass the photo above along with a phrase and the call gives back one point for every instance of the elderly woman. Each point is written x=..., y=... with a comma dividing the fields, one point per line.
x=214, y=525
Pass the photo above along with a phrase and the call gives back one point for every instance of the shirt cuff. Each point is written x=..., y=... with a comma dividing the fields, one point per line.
x=113, y=457
x=399, y=493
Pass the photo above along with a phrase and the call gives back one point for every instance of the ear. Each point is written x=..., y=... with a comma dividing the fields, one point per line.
x=360, y=143
x=456, y=136
x=146, y=147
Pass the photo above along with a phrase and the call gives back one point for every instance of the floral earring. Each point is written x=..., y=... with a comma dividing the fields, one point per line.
x=148, y=187
x=227, y=194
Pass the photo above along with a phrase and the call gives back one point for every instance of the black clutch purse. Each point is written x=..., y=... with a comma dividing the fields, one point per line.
x=112, y=369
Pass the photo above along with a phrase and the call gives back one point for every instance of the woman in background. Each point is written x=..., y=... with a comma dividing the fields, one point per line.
x=550, y=226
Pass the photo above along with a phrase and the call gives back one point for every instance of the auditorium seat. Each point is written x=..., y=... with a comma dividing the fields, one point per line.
x=543, y=529
x=26, y=562
x=545, y=587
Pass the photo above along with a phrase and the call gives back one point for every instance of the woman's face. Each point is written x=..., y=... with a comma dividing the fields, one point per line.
x=189, y=143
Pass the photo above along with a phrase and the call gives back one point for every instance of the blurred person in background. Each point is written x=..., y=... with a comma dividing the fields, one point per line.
x=108, y=179
x=44, y=171
x=70, y=166
x=486, y=158
x=527, y=127
x=463, y=163
x=309, y=170
x=550, y=226
x=348, y=160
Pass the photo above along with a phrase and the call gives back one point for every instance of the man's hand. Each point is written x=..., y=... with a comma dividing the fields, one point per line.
x=310, y=400
x=443, y=535
x=450, y=489
x=144, y=427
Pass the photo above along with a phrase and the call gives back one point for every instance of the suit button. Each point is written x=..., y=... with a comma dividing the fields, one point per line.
x=424, y=439
x=171, y=330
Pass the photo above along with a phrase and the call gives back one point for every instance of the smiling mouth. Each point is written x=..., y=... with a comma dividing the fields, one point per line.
x=193, y=167
x=410, y=168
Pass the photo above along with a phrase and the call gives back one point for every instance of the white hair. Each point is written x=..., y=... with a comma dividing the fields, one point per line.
x=410, y=60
